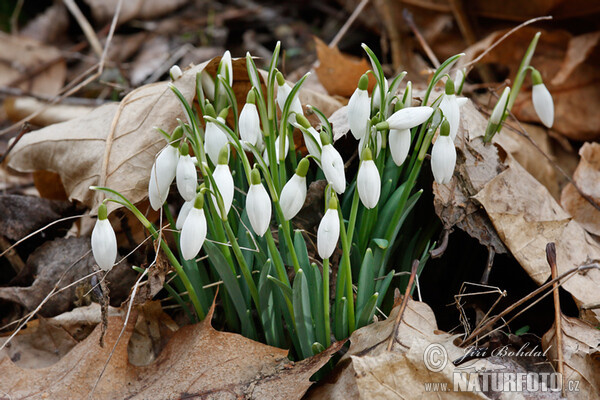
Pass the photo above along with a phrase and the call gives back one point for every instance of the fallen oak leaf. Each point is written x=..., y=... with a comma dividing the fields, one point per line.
x=198, y=361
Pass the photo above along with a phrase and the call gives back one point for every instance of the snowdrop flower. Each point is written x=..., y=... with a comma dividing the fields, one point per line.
x=187, y=179
x=459, y=80
x=163, y=171
x=450, y=108
x=359, y=109
x=497, y=114
x=399, y=145
x=443, y=156
x=542, y=100
x=104, y=241
x=224, y=180
x=175, y=72
x=258, y=205
x=226, y=68
x=184, y=212
x=249, y=122
x=368, y=181
x=313, y=143
x=193, y=232
x=406, y=118
x=328, y=232
x=332, y=165
x=377, y=96
x=293, y=193
x=208, y=85
x=283, y=91
x=214, y=137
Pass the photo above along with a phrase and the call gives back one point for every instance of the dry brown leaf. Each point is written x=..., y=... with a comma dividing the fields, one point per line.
x=104, y=10
x=369, y=371
x=18, y=108
x=338, y=72
x=586, y=176
x=527, y=217
x=581, y=354
x=198, y=361
x=575, y=92
x=21, y=57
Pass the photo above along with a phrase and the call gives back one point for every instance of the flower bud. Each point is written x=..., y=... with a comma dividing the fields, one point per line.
x=328, y=232
x=406, y=118
x=497, y=114
x=193, y=232
x=377, y=96
x=175, y=72
x=368, y=181
x=450, y=108
x=359, y=109
x=542, y=100
x=283, y=91
x=184, y=212
x=443, y=156
x=399, y=145
x=226, y=68
x=161, y=176
x=293, y=193
x=333, y=166
x=214, y=140
x=459, y=81
x=249, y=123
x=208, y=85
x=224, y=180
x=258, y=205
x=187, y=179
x=104, y=241
x=313, y=143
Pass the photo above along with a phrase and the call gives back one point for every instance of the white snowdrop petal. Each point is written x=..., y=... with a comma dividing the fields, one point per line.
x=399, y=145
x=104, y=244
x=409, y=117
x=193, y=234
x=328, y=233
x=499, y=107
x=214, y=140
x=283, y=92
x=333, y=168
x=359, y=111
x=249, y=124
x=543, y=104
x=368, y=182
x=208, y=85
x=311, y=146
x=187, y=179
x=224, y=180
x=183, y=213
x=443, y=159
x=162, y=175
x=258, y=208
x=175, y=72
x=451, y=110
x=293, y=196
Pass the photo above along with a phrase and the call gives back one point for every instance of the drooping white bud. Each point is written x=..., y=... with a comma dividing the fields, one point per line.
x=214, y=140
x=443, y=156
x=175, y=72
x=406, y=118
x=208, y=85
x=258, y=205
x=187, y=178
x=542, y=100
x=450, y=108
x=224, y=180
x=459, y=80
x=332, y=165
x=193, y=232
x=359, y=109
x=399, y=145
x=249, y=123
x=161, y=176
x=328, y=232
x=312, y=138
x=377, y=95
x=226, y=68
x=368, y=181
x=283, y=91
x=183, y=213
x=293, y=193
x=500, y=107
x=104, y=241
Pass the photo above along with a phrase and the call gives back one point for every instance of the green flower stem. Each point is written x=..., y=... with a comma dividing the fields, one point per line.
x=347, y=266
x=326, y=302
x=163, y=245
x=243, y=266
x=287, y=236
x=353, y=213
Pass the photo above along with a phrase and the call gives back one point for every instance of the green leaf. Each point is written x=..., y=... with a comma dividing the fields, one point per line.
x=303, y=318
x=341, y=320
x=383, y=288
x=366, y=281
x=285, y=289
x=367, y=313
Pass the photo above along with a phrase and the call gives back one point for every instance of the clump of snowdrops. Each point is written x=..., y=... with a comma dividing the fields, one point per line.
x=244, y=183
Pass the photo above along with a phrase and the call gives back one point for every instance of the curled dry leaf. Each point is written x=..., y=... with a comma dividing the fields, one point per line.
x=198, y=361
x=104, y=10
x=586, y=176
x=369, y=371
x=581, y=356
x=571, y=80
